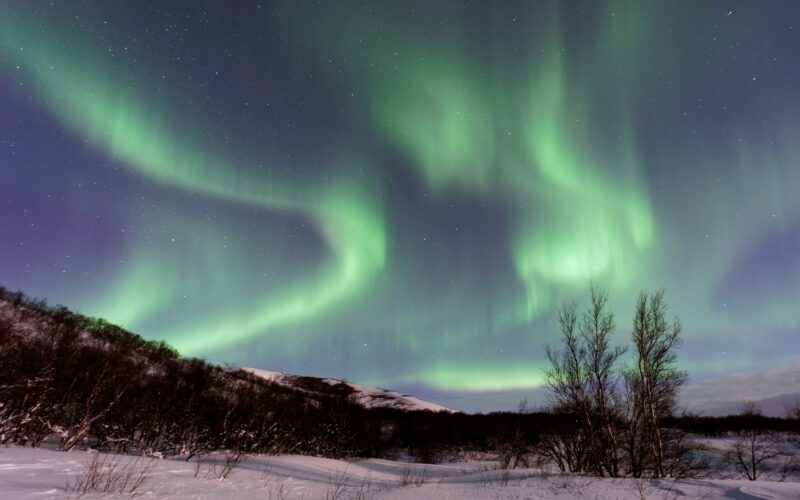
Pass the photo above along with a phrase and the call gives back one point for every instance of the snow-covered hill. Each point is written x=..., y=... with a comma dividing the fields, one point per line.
x=369, y=397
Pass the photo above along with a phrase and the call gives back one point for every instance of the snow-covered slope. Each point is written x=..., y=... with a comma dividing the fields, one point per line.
x=369, y=397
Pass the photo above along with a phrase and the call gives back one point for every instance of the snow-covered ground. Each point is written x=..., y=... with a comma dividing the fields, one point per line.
x=27, y=473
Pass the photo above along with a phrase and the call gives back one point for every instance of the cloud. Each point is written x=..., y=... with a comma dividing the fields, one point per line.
x=725, y=394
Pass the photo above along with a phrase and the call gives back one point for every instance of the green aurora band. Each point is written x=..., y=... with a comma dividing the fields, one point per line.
x=115, y=119
x=514, y=141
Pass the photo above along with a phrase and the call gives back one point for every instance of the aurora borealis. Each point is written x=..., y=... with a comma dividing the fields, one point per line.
x=402, y=193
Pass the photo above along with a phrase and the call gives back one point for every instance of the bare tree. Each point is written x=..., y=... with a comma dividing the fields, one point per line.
x=756, y=451
x=512, y=445
x=583, y=381
x=566, y=447
x=104, y=394
x=654, y=381
x=567, y=382
x=792, y=411
x=596, y=328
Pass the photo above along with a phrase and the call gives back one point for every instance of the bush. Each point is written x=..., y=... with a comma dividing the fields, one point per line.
x=111, y=474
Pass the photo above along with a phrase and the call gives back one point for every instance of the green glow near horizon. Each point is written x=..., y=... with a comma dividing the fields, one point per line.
x=467, y=377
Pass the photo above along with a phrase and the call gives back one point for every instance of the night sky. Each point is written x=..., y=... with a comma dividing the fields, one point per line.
x=402, y=193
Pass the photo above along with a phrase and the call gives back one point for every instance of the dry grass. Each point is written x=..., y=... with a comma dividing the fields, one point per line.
x=110, y=474
x=337, y=486
x=409, y=476
x=220, y=471
x=274, y=484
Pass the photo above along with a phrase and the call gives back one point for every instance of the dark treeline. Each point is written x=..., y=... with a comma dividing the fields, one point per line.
x=84, y=382
x=89, y=382
x=732, y=424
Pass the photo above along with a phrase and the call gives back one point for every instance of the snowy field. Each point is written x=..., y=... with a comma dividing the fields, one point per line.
x=27, y=473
